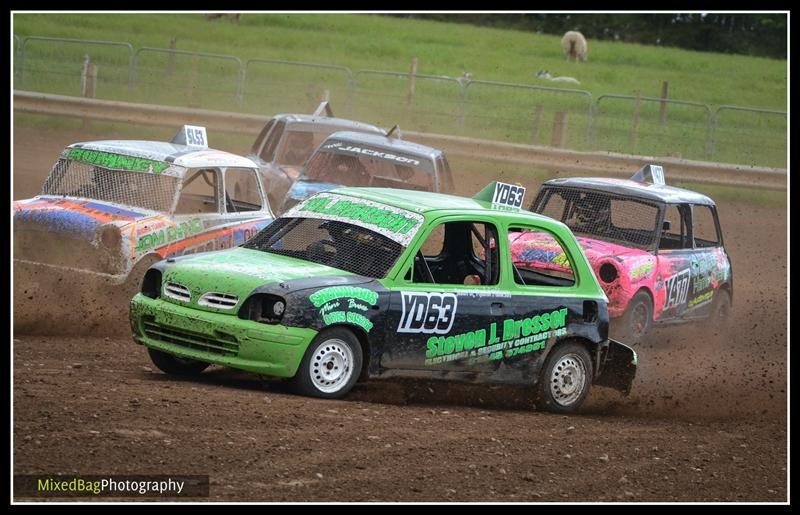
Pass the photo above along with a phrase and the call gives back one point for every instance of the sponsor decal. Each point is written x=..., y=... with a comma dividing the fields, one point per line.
x=508, y=195
x=701, y=299
x=516, y=337
x=641, y=271
x=677, y=288
x=344, y=304
x=162, y=237
x=117, y=161
x=350, y=149
x=707, y=273
x=427, y=312
x=397, y=224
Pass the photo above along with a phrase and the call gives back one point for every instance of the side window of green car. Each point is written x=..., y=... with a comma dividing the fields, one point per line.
x=538, y=258
x=458, y=253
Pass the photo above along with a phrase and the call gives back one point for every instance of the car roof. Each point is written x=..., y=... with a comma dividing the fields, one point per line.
x=338, y=123
x=387, y=143
x=627, y=187
x=426, y=202
x=181, y=155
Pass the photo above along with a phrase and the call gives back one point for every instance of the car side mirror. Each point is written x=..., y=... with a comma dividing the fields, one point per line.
x=666, y=226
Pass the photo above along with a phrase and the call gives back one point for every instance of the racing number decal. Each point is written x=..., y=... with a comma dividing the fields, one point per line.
x=677, y=288
x=195, y=136
x=427, y=312
x=658, y=174
x=508, y=194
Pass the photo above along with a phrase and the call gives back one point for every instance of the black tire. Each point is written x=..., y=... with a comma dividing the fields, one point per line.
x=722, y=308
x=331, y=365
x=566, y=378
x=719, y=321
x=637, y=319
x=174, y=365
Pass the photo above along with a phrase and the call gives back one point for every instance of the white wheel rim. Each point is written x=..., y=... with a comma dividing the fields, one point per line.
x=568, y=379
x=331, y=366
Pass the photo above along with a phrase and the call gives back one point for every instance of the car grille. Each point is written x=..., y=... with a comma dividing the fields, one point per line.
x=219, y=300
x=224, y=345
x=177, y=291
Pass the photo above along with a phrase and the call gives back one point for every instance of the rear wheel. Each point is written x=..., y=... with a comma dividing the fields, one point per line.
x=174, y=365
x=566, y=378
x=331, y=365
x=720, y=316
x=637, y=319
x=722, y=307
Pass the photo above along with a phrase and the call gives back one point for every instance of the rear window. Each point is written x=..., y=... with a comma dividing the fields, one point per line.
x=351, y=164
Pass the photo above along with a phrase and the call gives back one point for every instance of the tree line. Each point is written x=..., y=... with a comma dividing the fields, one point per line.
x=762, y=35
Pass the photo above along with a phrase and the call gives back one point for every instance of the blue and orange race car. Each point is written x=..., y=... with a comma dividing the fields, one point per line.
x=111, y=209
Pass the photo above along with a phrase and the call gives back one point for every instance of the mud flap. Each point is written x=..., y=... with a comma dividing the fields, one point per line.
x=618, y=367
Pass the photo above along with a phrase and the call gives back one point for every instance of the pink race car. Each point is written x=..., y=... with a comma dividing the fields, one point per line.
x=657, y=250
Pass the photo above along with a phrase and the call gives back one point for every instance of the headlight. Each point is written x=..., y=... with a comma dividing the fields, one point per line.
x=263, y=308
x=151, y=284
x=608, y=273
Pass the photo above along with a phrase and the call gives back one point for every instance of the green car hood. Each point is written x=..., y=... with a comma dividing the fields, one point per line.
x=238, y=271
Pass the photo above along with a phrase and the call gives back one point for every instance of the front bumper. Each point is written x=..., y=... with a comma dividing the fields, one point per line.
x=222, y=339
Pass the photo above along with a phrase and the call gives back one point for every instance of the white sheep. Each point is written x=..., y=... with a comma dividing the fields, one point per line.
x=574, y=45
x=546, y=75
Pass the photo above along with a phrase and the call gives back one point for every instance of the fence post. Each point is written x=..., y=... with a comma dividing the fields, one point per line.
x=412, y=80
x=88, y=84
x=712, y=128
x=634, y=140
x=171, y=59
x=537, y=120
x=88, y=78
x=662, y=114
x=559, y=129
x=193, y=84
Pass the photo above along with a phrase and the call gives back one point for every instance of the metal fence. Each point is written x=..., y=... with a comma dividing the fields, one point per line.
x=653, y=126
x=273, y=86
x=517, y=113
x=193, y=79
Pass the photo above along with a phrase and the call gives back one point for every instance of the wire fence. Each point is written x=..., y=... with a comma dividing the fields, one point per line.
x=517, y=113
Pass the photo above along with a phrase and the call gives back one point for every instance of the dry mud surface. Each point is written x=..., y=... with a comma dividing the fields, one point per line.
x=706, y=420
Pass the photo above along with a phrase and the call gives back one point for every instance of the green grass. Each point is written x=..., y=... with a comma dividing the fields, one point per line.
x=370, y=42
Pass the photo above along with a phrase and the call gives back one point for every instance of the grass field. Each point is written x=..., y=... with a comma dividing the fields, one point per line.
x=370, y=42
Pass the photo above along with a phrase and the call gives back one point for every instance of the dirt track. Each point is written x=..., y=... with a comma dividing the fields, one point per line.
x=705, y=421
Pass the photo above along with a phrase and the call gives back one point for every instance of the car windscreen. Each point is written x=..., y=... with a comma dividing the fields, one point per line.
x=353, y=234
x=328, y=242
x=600, y=215
x=143, y=189
x=352, y=164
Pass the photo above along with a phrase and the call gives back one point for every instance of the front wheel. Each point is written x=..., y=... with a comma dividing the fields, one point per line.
x=174, y=365
x=566, y=378
x=637, y=319
x=331, y=365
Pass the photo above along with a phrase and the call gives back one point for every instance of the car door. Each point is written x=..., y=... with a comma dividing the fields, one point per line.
x=546, y=303
x=710, y=265
x=677, y=262
x=443, y=310
x=199, y=216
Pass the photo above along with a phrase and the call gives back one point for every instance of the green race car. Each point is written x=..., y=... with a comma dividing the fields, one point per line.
x=370, y=282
